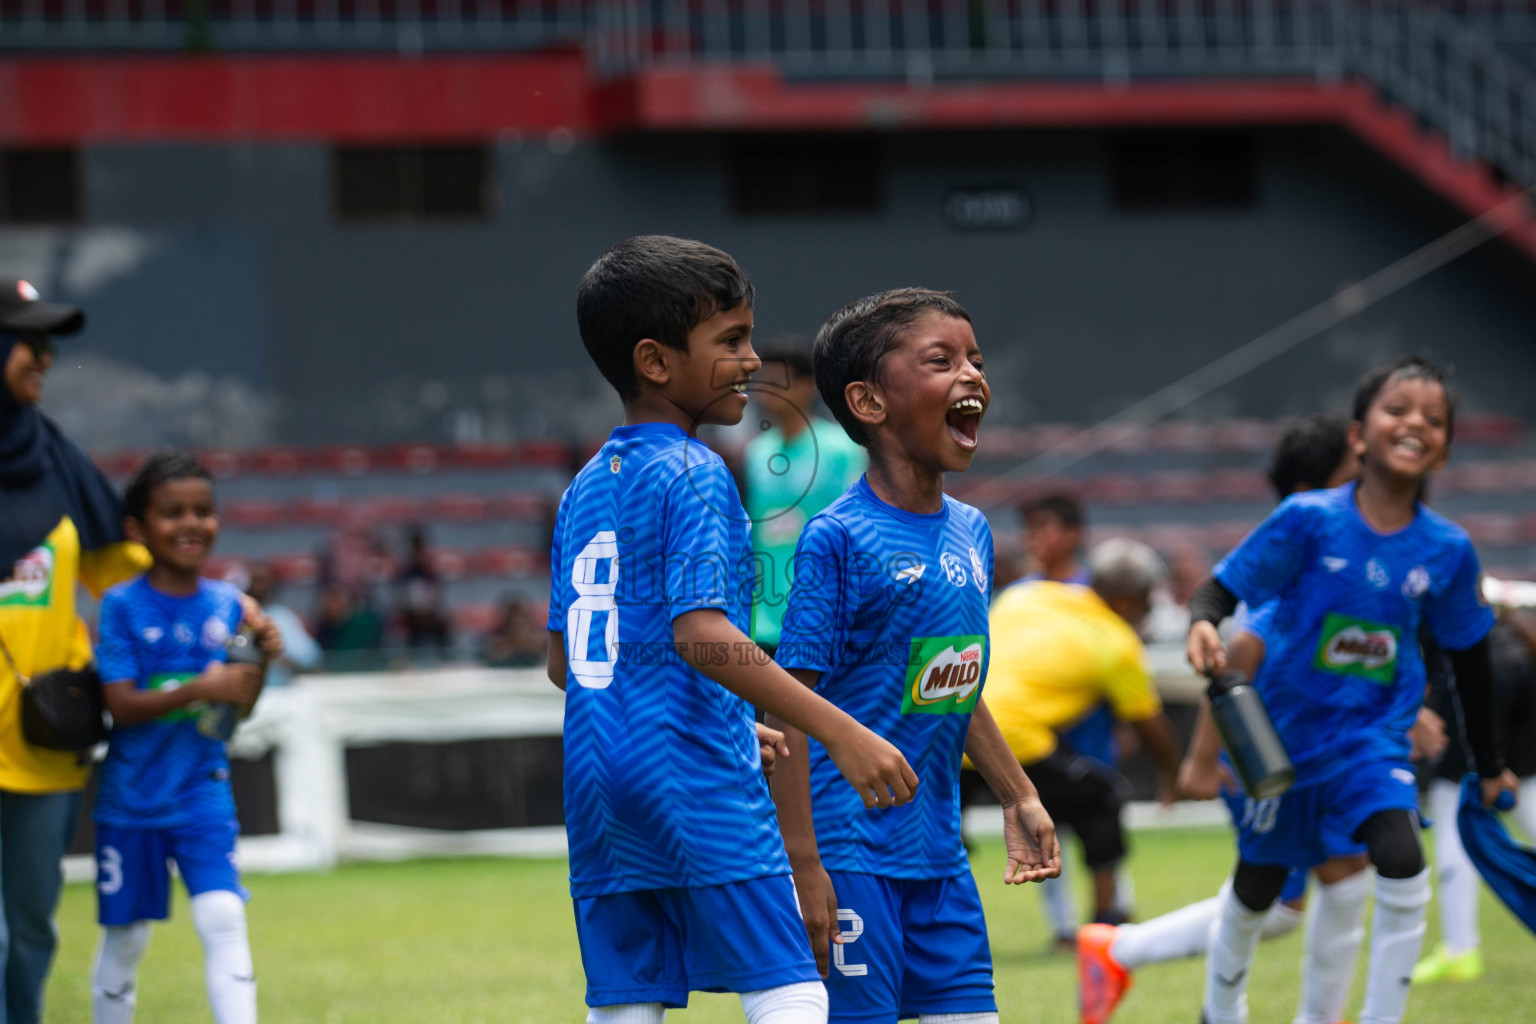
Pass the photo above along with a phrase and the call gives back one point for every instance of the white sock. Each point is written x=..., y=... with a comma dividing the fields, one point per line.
x=1228, y=960
x=1335, y=929
x=115, y=975
x=1525, y=808
x=1125, y=892
x=1181, y=933
x=957, y=1018
x=1397, y=932
x=1455, y=876
x=804, y=1002
x=627, y=1013
x=219, y=918
x=1057, y=893
x=1187, y=932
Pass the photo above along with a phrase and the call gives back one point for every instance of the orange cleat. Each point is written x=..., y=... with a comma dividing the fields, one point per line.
x=1101, y=982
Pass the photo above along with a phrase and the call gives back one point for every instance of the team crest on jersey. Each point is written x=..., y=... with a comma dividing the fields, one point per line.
x=215, y=632
x=614, y=463
x=152, y=634
x=183, y=634
x=978, y=571
x=1358, y=647
x=1377, y=574
x=953, y=569
x=1416, y=583
x=944, y=675
x=31, y=580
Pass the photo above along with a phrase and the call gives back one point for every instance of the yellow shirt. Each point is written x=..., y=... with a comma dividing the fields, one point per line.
x=1058, y=651
x=42, y=630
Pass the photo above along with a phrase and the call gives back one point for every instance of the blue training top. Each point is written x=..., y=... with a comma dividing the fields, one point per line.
x=664, y=785
x=1343, y=677
x=164, y=773
x=890, y=607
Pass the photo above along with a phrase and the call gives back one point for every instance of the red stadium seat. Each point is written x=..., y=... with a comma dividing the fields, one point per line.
x=1492, y=529
x=509, y=562
x=399, y=508
x=1178, y=486
x=1114, y=489
x=549, y=453
x=345, y=459
x=1241, y=435
x=449, y=564
x=254, y=513
x=1489, y=429
x=414, y=458
x=1239, y=485
x=485, y=455
x=223, y=463
x=319, y=511
x=522, y=505
x=277, y=461
x=460, y=507
x=1186, y=436
x=299, y=569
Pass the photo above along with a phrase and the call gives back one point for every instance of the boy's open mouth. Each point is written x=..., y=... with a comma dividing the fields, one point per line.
x=963, y=419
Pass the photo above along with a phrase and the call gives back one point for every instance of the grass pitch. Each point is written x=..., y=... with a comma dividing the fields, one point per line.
x=470, y=941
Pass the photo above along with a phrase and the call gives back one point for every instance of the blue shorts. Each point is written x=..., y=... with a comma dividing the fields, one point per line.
x=1305, y=827
x=909, y=947
x=1240, y=805
x=133, y=877
x=657, y=945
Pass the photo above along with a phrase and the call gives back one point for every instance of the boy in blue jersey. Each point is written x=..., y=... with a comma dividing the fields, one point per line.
x=887, y=619
x=1353, y=570
x=165, y=791
x=678, y=872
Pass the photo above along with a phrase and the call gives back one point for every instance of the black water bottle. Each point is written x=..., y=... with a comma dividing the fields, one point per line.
x=1263, y=766
x=218, y=720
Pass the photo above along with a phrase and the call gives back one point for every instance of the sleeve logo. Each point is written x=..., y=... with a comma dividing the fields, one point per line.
x=1358, y=647
x=944, y=675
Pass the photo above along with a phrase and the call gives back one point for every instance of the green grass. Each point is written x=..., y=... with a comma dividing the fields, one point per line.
x=493, y=941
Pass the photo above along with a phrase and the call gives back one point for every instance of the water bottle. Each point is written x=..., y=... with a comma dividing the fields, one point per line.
x=1262, y=765
x=218, y=719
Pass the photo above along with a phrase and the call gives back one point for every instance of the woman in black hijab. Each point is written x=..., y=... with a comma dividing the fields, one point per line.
x=61, y=525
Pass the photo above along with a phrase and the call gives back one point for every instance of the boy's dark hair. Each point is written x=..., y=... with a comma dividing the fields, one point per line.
x=855, y=340
x=652, y=286
x=793, y=352
x=160, y=468
x=1406, y=368
x=1309, y=451
x=1066, y=508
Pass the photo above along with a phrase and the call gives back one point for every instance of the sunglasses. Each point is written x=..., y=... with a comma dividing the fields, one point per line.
x=39, y=342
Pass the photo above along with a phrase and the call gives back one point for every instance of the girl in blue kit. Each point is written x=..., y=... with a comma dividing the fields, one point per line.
x=1354, y=571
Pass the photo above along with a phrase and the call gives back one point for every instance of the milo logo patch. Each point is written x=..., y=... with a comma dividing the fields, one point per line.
x=31, y=579
x=944, y=675
x=1358, y=647
x=175, y=681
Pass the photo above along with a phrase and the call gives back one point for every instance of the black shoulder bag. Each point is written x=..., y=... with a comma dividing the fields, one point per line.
x=62, y=709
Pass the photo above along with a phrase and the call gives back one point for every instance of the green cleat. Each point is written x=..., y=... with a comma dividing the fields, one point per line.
x=1443, y=965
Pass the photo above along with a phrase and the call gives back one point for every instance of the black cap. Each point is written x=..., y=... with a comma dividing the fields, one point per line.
x=20, y=310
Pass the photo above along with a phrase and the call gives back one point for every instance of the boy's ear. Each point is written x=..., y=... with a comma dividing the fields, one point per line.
x=134, y=529
x=865, y=403
x=1356, y=439
x=651, y=361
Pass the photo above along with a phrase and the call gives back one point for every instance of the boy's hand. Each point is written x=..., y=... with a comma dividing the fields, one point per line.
x=1499, y=785
x=268, y=638
x=1030, y=836
x=875, y=768
x=818, y=907
x=230, y=684
x=773, y=746
x=1204, y=778
x=1427, y=738
x=1204, y=649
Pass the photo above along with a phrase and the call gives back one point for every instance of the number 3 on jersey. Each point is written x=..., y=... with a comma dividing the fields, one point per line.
x=594, y=597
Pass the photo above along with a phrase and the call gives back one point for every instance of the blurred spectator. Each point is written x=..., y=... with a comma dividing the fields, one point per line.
x=347, y=624
x=352, y=559
x=797, y=466
x=423, y=623
x=300, y=651
x=519, y=638
x=1053, y=538
x=1188, y=567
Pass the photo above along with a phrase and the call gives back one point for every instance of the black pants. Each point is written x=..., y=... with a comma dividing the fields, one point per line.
x=1078, y=793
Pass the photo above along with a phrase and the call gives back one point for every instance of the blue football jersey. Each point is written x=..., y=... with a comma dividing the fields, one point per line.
x=891, y=608
x=164, y=773
x=1343, y=675
x=664, y=785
